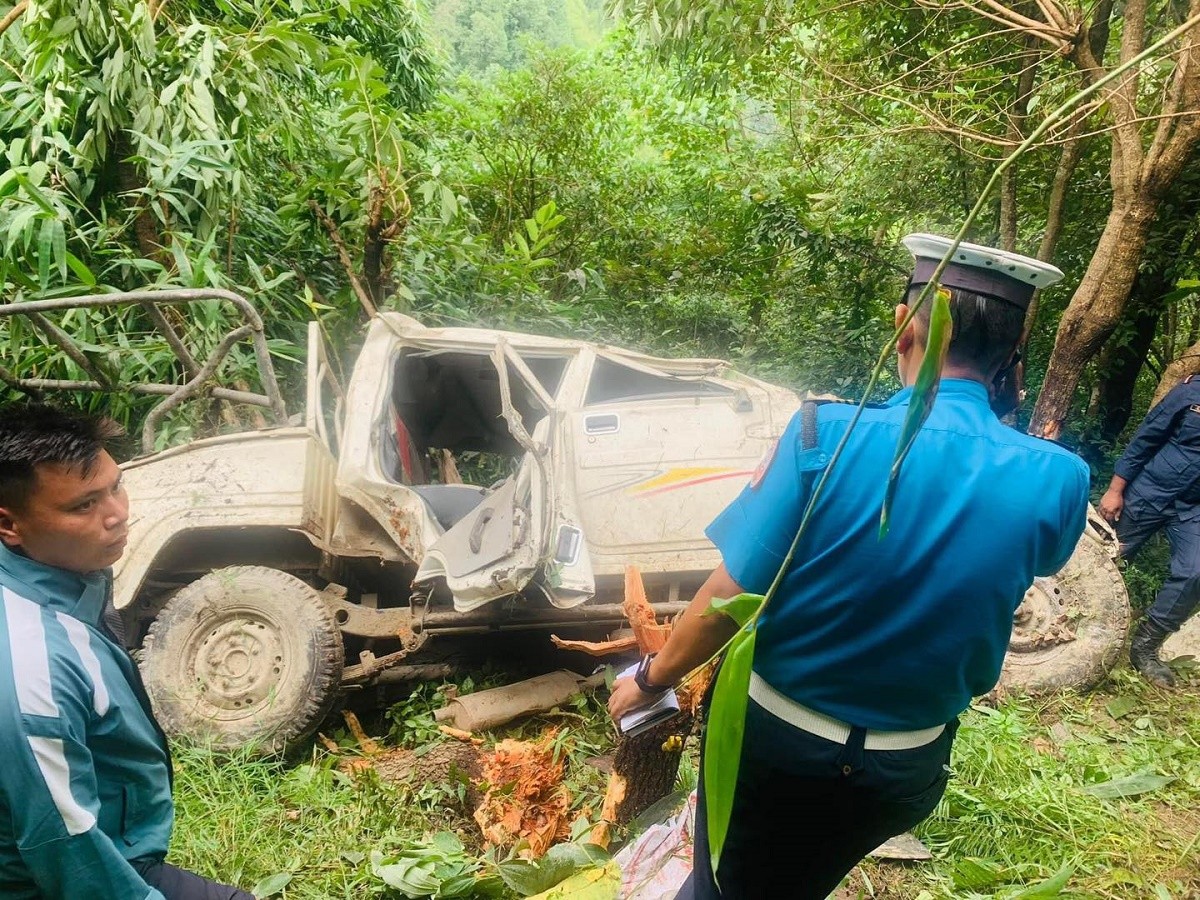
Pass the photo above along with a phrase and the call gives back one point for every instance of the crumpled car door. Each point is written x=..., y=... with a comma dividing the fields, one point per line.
x=517, y=533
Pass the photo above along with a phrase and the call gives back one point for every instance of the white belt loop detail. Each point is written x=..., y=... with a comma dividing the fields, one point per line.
x=830, y=728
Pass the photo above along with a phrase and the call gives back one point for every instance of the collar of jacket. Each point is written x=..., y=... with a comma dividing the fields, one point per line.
x=949, y=387
x=79, y=596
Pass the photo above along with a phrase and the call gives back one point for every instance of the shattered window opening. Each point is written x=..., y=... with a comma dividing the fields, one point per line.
x=548, y=369
x=450, y=400
x=612, y=381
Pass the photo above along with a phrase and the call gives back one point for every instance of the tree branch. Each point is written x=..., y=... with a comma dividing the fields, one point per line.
x=1016, y=132
x=343, y=253
x=12, y=15
x=1173, y=142
x=1059, y=39
x=1068, y=160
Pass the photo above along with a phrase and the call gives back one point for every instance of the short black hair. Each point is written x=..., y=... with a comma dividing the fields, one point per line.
x=32, y=434
x=986, y=329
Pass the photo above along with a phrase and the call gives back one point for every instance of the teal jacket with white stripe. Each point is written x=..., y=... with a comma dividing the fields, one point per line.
x=85, y=773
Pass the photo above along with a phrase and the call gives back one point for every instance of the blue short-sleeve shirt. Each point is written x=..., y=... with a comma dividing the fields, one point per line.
x=900, y=633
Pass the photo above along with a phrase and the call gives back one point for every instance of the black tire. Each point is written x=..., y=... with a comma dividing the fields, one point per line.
x=1071, y=629
x=244, y=655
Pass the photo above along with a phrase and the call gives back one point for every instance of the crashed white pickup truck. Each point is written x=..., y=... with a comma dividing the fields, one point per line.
x=260, y=562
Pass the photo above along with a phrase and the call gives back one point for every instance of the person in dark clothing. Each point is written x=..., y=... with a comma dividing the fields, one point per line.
x=1156, y=487
x=874, y=645
x=85, y=786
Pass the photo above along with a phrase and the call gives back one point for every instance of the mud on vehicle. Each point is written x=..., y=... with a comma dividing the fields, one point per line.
x=462, y=481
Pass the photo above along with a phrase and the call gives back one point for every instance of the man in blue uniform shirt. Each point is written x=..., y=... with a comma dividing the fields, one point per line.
x=872, y=647
x=85, y=782
x=1156, y=486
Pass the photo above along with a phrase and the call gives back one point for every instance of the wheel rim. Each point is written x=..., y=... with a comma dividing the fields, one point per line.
x=236, y=661
x=1042, y=619
x=1069, y=629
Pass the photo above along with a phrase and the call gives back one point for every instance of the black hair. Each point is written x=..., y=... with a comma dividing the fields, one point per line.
x=33, y=434
x=986, y=329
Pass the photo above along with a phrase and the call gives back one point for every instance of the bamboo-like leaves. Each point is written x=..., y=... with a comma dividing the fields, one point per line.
x=925, y=390
x=727, y=717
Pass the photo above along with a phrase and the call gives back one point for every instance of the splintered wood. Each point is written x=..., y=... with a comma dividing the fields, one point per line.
x=646, y=765
x=649, y=634
x=596, y=648
x=526, y=801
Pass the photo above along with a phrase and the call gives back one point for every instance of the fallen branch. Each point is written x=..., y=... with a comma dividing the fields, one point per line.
x=367, y=743
x=459, y=735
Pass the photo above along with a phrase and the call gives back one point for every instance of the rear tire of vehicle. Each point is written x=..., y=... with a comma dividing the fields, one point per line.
x=245, y=655
x=1071, y=629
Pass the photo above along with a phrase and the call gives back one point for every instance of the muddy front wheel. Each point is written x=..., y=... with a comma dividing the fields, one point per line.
x=244, y=655
x=1071, y=627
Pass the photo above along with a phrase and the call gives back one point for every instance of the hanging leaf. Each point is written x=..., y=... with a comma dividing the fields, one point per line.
x=741, y=608
x=723, y=737
x=925, y=390
x=45, y=242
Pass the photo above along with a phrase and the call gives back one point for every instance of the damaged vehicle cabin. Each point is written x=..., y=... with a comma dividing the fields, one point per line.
x=458, y=480
x=461, y=480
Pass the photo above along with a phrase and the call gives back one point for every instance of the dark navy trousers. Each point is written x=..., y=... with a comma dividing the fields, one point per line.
x=807, y=810
x=1180, y=593
x=177, y=884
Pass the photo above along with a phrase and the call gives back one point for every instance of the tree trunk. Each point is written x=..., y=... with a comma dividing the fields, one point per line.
x=648, y=763
x=1123, y=364
x=145, y=226
x=1093, y=312
x=1187, y=363
x=1026, y=74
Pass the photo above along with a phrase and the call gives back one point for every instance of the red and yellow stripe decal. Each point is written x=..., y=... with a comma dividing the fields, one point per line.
x=689, y=476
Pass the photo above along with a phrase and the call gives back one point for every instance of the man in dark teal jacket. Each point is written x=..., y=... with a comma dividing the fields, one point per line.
x=85, y=777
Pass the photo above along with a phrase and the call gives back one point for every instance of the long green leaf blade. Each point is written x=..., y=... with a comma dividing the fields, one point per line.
x=45, y=244
x=723, y=738
x=924, y=393
x=741, y=608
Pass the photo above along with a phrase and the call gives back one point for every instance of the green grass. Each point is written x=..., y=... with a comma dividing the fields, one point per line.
x=1015, y=814
x=1017, y=811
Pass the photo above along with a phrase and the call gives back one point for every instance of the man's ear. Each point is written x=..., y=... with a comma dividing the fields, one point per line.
x=10, y=534
x=904, y=344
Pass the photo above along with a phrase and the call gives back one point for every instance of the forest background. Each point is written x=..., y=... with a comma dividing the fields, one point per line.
x=701, y=178
x=723, y=178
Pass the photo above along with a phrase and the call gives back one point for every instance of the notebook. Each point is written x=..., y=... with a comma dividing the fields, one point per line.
x=646, y=717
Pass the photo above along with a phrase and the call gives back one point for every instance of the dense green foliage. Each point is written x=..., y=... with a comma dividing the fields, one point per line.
x=487, y=36
x=313, y=154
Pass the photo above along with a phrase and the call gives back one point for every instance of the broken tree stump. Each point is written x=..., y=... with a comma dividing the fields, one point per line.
x=646, y=765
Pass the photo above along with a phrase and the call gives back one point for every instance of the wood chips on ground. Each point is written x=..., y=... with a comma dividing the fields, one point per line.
x=525, y=800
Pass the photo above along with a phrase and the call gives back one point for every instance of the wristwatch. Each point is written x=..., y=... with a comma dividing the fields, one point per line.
x=642, y=677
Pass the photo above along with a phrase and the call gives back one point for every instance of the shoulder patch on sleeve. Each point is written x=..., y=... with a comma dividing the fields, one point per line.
x=764, y=464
